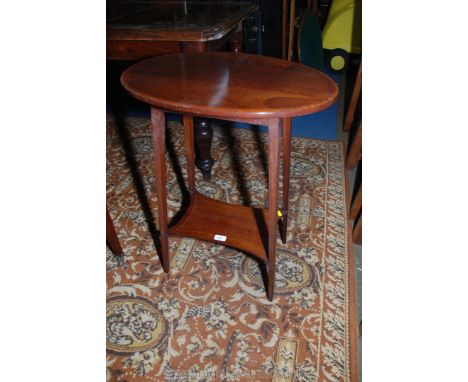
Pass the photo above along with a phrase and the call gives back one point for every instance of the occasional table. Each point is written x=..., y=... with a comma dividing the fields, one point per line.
x=237, y=87
x=138, y=29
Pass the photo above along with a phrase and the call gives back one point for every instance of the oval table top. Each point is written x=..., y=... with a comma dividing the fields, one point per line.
x=230, y=85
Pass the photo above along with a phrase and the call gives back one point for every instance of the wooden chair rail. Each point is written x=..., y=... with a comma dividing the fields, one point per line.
x=354, y=155
x=351, y=113
x=355, y=149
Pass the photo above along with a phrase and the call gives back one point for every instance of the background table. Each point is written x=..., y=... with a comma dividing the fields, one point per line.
x=237, y=87
x=142, y=29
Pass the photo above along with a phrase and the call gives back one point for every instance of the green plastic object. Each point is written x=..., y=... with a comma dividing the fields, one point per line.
x=310, y=49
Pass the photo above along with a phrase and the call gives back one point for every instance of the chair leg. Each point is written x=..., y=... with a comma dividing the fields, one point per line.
x=273, y=167
x=357, y=231
x=284, y=19
x=292, y=15
x=354, y=152
x=189, y=152
x=286, y=165
x=158, y=125
x=111, y=236
x=356, y=205
x=354, y=100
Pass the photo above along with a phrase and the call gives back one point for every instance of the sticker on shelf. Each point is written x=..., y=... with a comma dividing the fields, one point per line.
x=220, y=237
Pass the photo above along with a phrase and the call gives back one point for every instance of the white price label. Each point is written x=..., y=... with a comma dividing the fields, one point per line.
x=220, y=237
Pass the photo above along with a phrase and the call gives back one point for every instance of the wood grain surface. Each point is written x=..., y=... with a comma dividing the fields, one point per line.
x=243, y=227
x=222, y=84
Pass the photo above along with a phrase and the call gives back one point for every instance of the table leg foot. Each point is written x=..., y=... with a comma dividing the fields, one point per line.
x=111, y=237
x=271, y=281
x=203, y=140
x=164, y=241
x=284, y=227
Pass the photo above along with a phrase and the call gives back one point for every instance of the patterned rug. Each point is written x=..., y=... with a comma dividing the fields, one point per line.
x=209, y=318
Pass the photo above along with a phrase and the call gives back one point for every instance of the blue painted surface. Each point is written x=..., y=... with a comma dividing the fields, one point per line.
x=320, y=125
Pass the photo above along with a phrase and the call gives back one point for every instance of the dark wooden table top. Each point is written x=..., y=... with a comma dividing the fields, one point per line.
x=173, y=20
x=230, y=85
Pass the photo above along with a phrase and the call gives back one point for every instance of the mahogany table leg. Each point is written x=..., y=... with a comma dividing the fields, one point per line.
x=111, y=236
x=273, y=167
x=235, y=43
x=158, y=126
x=189, y=152
x=286, y=165
x=203, y=138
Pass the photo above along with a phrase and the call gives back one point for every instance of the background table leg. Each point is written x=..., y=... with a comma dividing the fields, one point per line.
x=203, y=129
x=286, y=165
x=203, y=138
x=273, y=165
x=189, y=152
x=158, y=126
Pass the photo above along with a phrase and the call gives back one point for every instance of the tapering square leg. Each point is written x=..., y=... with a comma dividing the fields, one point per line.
x=111, y=236
x=273, y=169
x=158, y=126
x=189, y=151
x=286, y=165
